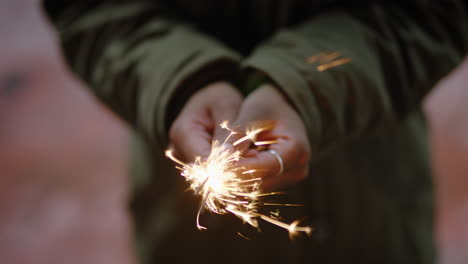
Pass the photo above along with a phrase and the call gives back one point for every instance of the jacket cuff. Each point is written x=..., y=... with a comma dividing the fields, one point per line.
x=275, y=68
x=184, y=74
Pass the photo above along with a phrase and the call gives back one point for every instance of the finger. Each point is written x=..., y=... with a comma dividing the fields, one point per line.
x=222, y=114
x=267, y=166
x=274, y=183
x=249, y=124
x=191, y=138
x=283, y=145
x=243, y=137
x=197, y=144
x=262, y=163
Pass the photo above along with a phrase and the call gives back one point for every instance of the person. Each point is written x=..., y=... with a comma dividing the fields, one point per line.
x=56, y=153
x=353, y=137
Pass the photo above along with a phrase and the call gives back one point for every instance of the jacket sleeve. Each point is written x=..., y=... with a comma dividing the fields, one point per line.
x=395, y=54
x=141, y=60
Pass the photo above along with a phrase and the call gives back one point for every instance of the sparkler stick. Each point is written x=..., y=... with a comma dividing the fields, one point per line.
x=225, y=187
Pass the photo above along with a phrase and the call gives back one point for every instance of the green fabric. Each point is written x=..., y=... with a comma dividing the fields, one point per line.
x=398, y=53
x=135, y=59
x=369, y=195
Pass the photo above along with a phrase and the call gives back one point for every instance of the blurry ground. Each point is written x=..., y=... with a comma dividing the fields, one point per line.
x=447, y=108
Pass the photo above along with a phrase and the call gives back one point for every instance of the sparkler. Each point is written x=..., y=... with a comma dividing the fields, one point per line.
x=226, y=187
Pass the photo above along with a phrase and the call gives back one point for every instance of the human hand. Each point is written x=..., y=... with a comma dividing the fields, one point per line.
x=197, y=125
x=267, y=103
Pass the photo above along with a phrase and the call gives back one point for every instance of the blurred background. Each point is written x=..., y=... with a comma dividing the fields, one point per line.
x=446, y=106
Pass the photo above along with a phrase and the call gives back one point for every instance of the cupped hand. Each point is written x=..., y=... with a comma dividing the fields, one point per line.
x=267, y=103
x=197, y=125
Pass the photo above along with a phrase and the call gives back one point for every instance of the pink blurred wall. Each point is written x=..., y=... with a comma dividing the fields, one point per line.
x=447, y=108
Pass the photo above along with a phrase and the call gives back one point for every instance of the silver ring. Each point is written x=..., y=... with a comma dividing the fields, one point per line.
x=279, y=159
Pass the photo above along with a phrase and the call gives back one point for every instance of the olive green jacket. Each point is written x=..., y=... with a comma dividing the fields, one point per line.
x=369, y=194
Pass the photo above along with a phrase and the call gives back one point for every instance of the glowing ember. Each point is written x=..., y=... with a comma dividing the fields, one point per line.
x=226, y=187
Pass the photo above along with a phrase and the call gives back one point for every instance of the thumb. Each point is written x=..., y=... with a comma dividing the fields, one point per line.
x=222, y=117
x=190, y=139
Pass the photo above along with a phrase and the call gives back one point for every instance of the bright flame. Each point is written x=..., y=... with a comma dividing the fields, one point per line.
x=217, y=181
